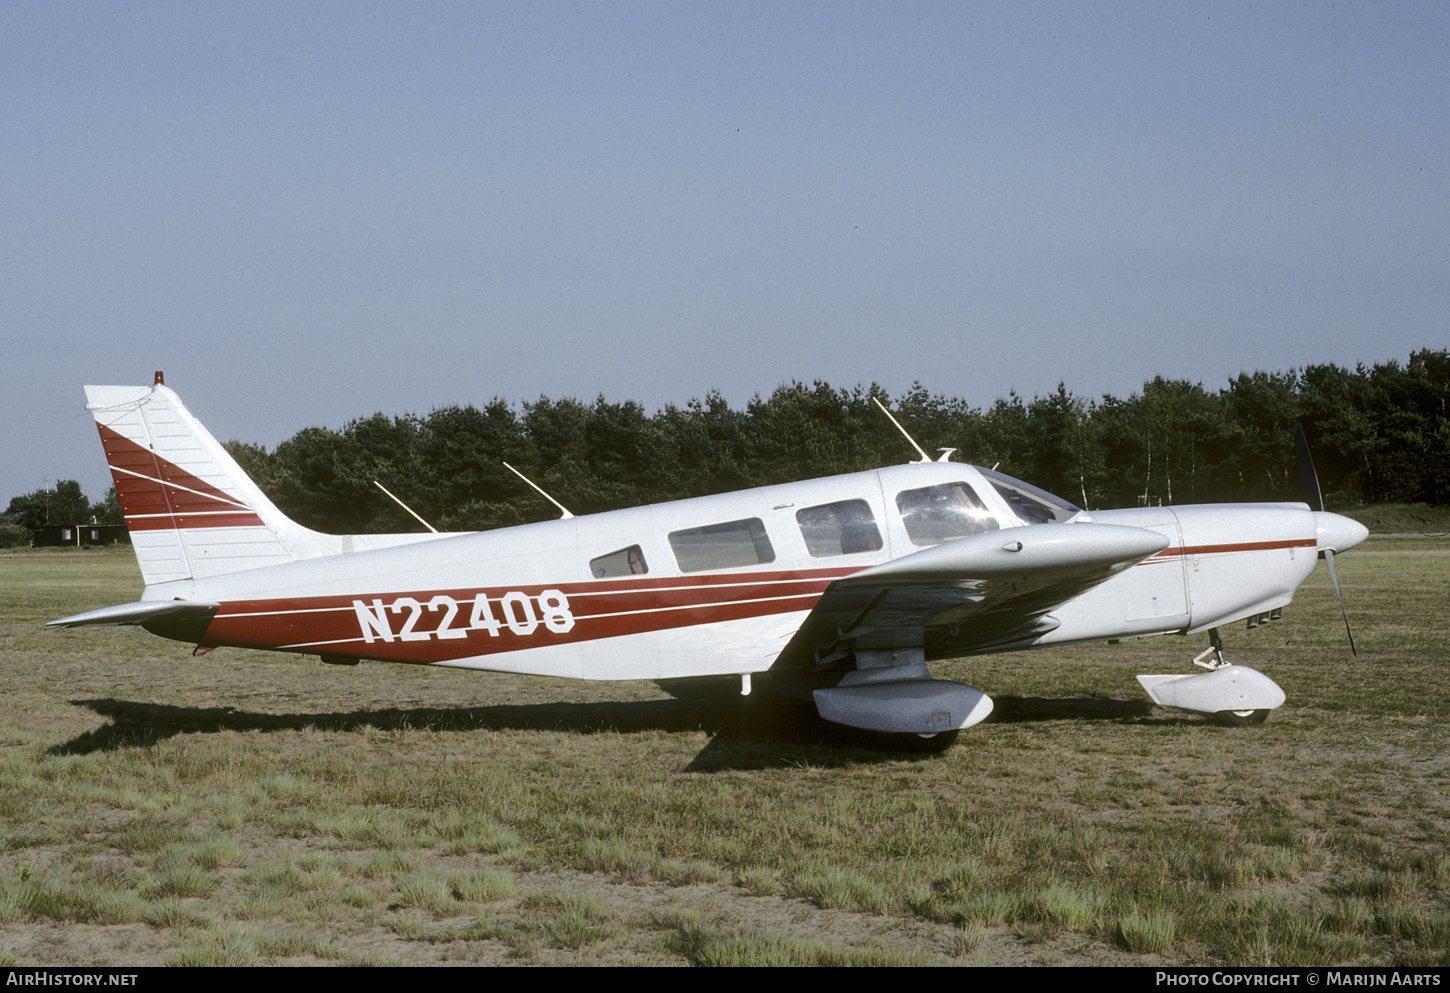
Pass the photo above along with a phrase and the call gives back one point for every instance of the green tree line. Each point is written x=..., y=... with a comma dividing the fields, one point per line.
x=1378, y=434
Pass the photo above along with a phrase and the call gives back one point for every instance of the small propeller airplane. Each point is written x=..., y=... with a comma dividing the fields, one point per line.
x=841, y=589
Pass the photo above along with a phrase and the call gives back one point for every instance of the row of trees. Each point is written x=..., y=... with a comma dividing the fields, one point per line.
x=1379, y=434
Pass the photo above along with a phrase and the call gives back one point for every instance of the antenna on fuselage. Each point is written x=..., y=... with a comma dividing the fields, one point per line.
x=946, y=452
x=405, y=506
x=563, y=509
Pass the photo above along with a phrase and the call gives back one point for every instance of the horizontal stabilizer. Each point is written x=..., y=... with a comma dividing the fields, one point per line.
x=1233, y=687
x=138, y=613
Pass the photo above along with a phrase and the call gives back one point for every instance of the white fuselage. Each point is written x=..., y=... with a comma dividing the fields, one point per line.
x=661, y=591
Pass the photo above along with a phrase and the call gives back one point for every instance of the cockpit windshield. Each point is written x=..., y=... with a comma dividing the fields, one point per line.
x=1030, y=504
x=935, y=514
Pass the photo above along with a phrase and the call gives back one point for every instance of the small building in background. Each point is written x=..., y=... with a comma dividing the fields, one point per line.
x=56, y=535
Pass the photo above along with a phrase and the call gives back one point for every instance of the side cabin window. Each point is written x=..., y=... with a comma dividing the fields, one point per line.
x=722, y=546
x=1030, y=504
x=943, y=513
x=625, y=562
x=844, y=528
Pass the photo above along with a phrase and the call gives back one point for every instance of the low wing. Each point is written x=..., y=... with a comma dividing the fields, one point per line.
x=967, y=595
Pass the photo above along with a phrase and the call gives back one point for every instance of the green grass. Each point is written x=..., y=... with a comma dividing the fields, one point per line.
x=254, y=808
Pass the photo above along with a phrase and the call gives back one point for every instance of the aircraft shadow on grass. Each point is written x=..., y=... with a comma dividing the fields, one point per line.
x=762, y=732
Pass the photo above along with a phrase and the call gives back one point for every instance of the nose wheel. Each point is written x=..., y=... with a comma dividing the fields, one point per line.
x=1240, y=718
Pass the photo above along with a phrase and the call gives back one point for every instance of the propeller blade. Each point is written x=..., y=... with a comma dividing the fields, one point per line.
x=1308, y=478
x=1334, y=578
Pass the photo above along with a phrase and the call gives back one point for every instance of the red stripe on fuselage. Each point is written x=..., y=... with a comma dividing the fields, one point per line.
x=336, y=624
x=1241, y=546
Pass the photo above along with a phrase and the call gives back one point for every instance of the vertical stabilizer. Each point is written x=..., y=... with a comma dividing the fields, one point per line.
x=191, y=510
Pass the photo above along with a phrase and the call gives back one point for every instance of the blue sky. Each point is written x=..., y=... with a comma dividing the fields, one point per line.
x=306, y=212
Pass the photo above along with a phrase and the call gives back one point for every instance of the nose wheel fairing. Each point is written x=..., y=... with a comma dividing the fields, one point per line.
x=1232, y=688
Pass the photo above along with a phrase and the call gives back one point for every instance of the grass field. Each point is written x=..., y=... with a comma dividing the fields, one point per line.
x=247, y=808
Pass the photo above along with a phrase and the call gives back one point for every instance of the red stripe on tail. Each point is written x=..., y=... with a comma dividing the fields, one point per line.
x=157, y=495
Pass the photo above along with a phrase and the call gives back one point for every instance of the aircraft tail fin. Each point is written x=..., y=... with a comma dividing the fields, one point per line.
x=191, y=510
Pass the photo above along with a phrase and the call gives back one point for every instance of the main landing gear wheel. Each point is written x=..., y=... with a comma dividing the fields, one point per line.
x=927, y=743
x=1240, y=718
